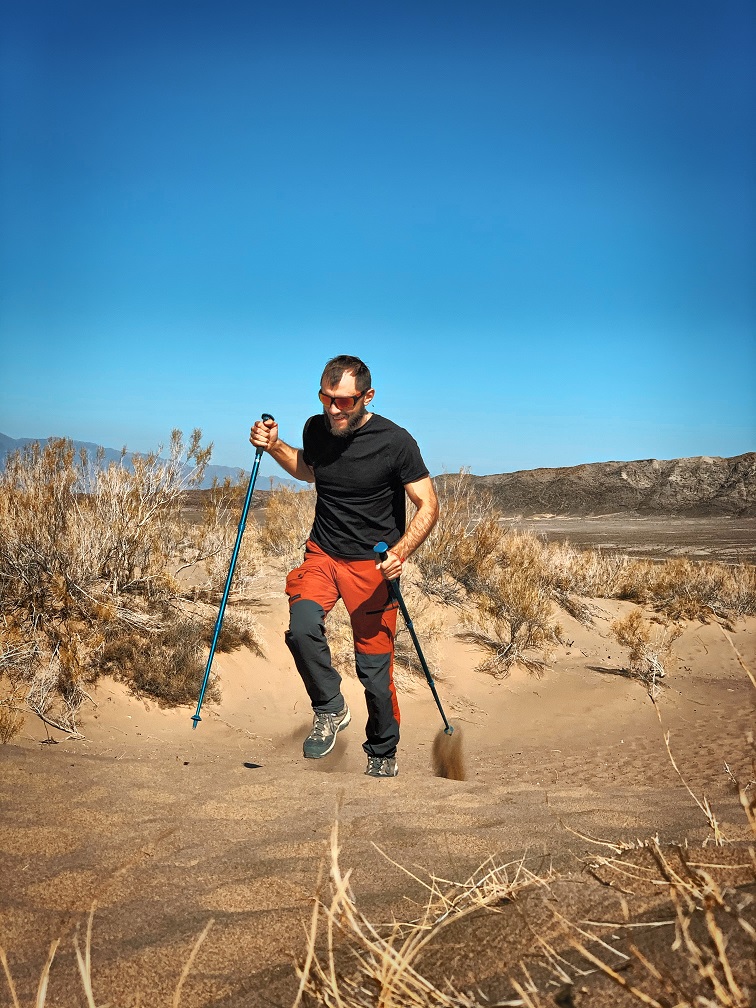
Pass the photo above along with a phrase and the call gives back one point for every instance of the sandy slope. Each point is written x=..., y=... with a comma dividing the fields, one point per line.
x=165, y=827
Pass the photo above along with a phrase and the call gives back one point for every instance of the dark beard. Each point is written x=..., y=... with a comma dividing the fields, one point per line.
x=352, y=423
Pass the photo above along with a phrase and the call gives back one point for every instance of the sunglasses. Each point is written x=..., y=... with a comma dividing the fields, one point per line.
x=342, y=402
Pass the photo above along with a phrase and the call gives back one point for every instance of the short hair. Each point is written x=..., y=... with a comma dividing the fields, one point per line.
x=336, y=366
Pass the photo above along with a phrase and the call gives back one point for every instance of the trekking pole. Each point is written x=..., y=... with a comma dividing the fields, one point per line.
x=382, y=550
x=242, y=522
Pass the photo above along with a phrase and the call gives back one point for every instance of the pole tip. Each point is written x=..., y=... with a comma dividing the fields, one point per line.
x=449, y=730
x=196, y=719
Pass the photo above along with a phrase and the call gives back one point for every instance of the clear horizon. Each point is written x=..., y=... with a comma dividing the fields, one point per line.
x=535, y=224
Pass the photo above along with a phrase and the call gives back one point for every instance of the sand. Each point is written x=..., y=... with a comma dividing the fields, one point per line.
x=165, y=827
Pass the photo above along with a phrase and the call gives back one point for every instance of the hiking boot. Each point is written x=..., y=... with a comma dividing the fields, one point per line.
x=325, y=727
x=382, y=766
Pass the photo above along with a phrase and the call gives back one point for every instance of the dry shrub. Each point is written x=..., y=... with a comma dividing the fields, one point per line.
x=497, y=578
x=463, y=544
x=209, y=546
x=502, y=580
x=289, y=517
x=649, y=647
x=239, y=629
x=508, y=583
x=164, y=663
x=679, y=588
x=86, y=555
x=585, y=572
x=684, y=589
x=512, y=617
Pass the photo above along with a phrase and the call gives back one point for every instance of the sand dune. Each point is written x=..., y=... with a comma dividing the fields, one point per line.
x=165, y=827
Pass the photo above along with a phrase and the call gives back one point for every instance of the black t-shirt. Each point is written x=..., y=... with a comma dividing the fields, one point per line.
x=360, y=484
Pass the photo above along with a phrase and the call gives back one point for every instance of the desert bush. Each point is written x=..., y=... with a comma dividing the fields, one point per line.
x=458, y=554
x=239, y=629
x=164, y=663
x=87, y=554
x=512, y=616
x=649, y=648
x=498, y=578
x=508, y=583
x=590, y=573
x=209, y=544
x=685, y=589
x=289, y=517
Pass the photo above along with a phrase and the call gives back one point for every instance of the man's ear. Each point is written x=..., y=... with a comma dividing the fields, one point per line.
x=369, y=395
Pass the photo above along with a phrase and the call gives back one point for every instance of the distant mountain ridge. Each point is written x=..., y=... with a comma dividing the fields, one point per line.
x=692, y=487
x=698, y=487
x=219, y=472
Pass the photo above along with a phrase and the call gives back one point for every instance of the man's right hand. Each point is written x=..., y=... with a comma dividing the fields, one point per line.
x=264, y=434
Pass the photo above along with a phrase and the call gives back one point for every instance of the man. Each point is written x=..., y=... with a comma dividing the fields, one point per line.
x=362, y=464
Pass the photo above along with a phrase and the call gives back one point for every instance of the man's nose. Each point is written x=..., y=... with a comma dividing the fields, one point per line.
x=333, y=409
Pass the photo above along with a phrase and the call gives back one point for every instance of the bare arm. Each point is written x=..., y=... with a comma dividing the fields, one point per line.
x=264, y=435
x=423, y=496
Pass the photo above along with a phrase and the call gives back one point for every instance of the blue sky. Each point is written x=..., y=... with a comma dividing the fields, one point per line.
x=535, y=222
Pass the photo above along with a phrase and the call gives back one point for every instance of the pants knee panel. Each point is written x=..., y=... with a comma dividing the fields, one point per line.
x=306, y=621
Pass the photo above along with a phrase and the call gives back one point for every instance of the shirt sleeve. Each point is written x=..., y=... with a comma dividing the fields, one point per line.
x=410, y=464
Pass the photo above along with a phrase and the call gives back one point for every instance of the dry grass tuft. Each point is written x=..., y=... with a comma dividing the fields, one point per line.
x=387, y=970
x=84, y=964
x=711, y=958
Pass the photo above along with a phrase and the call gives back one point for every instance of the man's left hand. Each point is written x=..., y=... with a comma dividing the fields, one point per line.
x=391, y=567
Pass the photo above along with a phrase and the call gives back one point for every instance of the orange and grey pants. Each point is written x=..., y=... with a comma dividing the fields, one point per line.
x=314, y=588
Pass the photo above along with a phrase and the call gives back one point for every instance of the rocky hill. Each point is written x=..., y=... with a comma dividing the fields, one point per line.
x=692, y=487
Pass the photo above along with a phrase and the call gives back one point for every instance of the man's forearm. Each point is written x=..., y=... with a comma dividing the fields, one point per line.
x=418, y=530
x=291, y=460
